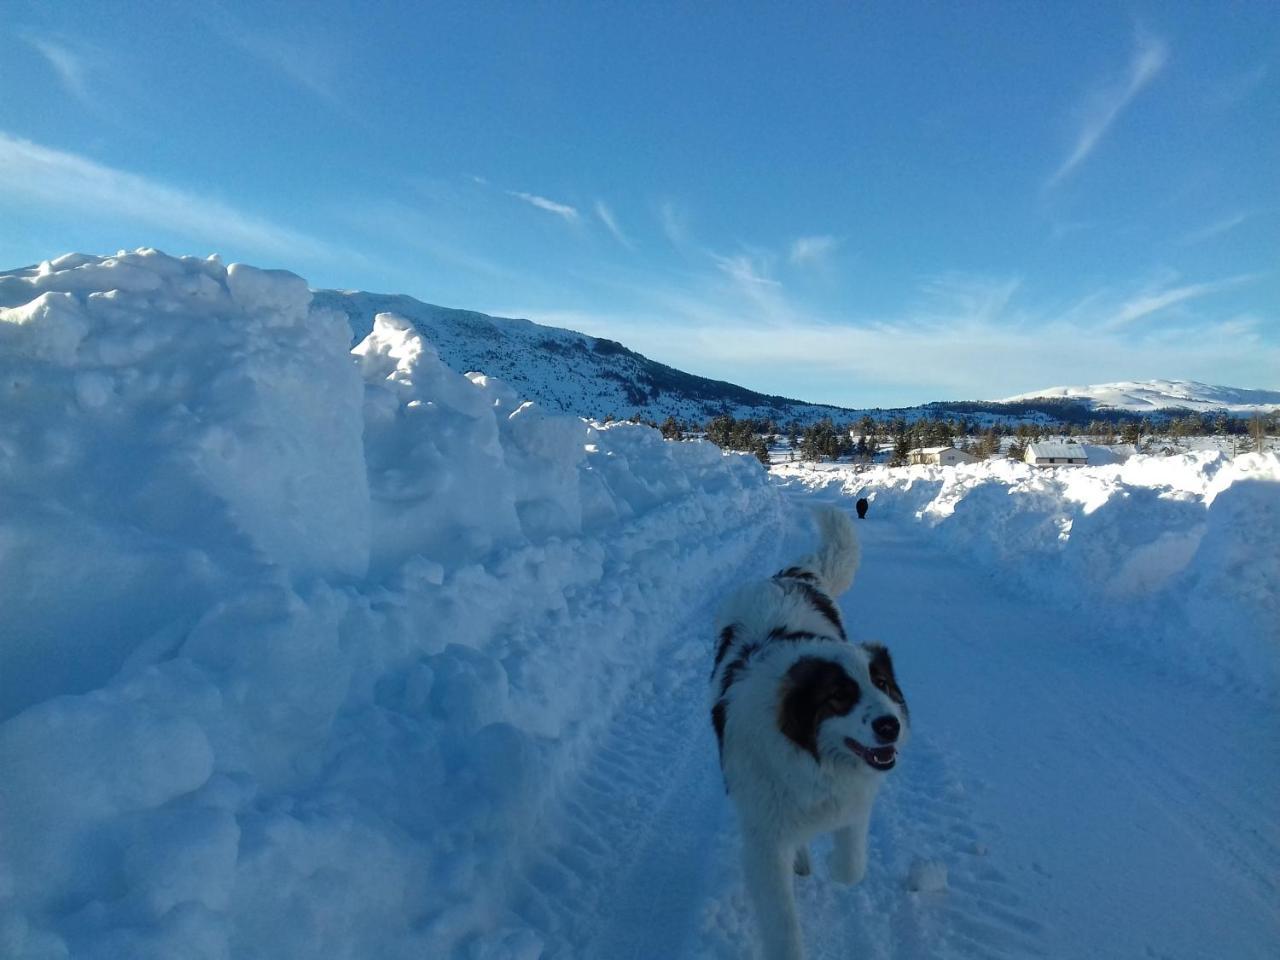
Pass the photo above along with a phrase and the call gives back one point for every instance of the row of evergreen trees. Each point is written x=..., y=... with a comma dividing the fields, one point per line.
x=826, y=440
x=750, y=436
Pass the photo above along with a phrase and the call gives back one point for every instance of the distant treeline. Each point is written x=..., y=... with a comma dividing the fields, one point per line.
x=827, y=440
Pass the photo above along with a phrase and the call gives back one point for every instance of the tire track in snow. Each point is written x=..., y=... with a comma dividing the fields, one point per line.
x=642, y=860
x=626, y=865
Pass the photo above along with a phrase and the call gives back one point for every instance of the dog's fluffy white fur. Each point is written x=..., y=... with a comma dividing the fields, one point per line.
x=808, y=725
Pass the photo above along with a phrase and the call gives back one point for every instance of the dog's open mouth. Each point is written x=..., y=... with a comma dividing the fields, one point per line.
x=877, y=758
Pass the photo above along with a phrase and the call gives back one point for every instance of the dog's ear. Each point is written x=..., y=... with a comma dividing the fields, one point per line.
x=813, y=690
x=880, y=666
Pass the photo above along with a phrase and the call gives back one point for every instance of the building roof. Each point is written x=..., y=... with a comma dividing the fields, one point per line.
x=1057, y=450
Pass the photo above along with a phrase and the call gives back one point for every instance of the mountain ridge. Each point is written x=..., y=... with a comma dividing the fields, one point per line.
x=576, y=372
x=598, y=378
x=1141, y=396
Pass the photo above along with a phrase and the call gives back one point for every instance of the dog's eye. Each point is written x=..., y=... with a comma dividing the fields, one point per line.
x=881, y=682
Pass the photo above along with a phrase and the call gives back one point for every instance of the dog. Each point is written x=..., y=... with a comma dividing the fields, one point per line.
x=807, y=723
x=861, y=507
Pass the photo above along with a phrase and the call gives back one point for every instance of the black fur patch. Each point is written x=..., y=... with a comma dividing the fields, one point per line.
x=822, y=603
x=797, y=573
x=814, y=689
x=736, y=665
x=726, y=641
x=719, y=713
x=782, y=633
x=881, y=670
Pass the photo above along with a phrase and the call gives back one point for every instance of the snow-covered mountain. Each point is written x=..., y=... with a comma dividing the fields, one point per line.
x=570, y=371
x=1148, y=396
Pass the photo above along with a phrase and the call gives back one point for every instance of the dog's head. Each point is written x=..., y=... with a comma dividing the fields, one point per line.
x=845, y=707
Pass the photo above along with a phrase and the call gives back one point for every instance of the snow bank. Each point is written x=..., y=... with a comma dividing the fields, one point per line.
x=298, y=643
x=1176, y=553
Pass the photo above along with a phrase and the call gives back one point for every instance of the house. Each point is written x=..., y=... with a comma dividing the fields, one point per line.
x=1056, y=453
x=943, y=456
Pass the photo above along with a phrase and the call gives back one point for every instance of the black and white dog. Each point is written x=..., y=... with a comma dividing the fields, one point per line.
x=808, y=724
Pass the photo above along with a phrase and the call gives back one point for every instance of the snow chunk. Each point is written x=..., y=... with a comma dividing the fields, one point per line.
x=163, y=431
x=927, y=876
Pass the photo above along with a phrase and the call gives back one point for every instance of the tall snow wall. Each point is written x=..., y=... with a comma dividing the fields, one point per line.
x=297, y=642
x=1176, y=556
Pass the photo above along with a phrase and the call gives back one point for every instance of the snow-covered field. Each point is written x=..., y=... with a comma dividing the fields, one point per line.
x=307, y=652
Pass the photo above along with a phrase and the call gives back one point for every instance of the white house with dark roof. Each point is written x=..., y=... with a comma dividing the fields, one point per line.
x=943, y=456
x=1056, y=453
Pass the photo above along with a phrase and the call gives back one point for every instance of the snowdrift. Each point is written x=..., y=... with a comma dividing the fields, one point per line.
x=1177, y=554
x=298, y=641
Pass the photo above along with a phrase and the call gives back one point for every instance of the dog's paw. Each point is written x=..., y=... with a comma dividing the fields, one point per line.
x=802, y=867
x=846, y=871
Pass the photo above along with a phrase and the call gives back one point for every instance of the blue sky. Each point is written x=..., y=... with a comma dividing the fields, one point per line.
x=855, y=203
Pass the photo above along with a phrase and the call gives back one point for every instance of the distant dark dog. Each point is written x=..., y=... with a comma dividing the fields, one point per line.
x=861, y=506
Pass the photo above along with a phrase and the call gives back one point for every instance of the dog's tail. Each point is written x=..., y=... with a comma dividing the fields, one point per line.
x=838, y=554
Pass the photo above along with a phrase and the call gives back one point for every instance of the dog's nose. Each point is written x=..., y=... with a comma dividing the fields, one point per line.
x=886, y=729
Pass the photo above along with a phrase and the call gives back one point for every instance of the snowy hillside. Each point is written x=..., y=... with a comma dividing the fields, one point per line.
x=570, y=371
x=1148, y=396
x=311, y=651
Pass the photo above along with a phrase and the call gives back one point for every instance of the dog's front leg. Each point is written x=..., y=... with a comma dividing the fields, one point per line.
x=849, y=856
x=768, y=866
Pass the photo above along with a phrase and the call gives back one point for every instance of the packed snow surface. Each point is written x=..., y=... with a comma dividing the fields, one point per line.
x=308, y=651
x=1145, y=396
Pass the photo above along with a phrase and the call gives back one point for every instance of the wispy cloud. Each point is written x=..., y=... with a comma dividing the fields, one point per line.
x=1234, y=89
x=675, y=225
x=301, y=56
x=1217, y=228
x=542, y=203
x=743, y=270
x=68, y=65
x=1150, y=302
x=977, y=298
x=964, y=337
x=306, y=66
x=812, y=250
x=1103, y=108
x=750, y=280
x=607, y=218
x=58, y=180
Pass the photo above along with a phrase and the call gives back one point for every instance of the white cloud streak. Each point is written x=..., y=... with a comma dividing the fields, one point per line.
x=744, y=271
x=1104, y=108
x=967, y=338
x=607, y=218
x=311, y=65
x=1216, y=229
x=858, y=365
x=31, y=174
x=66, y=64
x=674, y=226
x=1153, y=301
x=812, y=250
x=562, y=210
